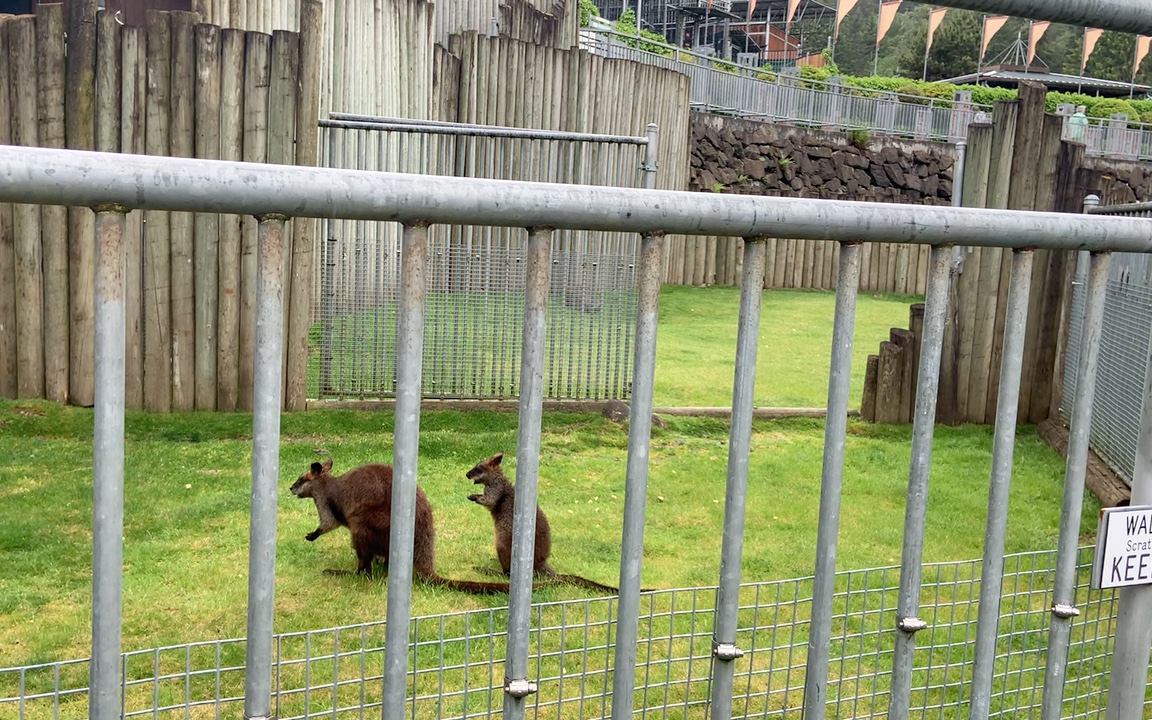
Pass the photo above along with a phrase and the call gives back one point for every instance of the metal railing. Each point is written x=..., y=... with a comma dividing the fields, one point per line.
x=731, y=89
x=335, y=672
x=1124, y=338
x=1116, y=137
x=477, y=275
x=111, y=184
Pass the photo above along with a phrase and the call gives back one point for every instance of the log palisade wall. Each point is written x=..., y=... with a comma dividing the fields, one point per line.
x=174, y=87
x=1017, y=162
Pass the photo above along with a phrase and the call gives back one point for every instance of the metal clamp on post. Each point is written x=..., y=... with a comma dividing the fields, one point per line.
x=910, y=624
x=1064, y=611
x=519, y=688
x=726, y=651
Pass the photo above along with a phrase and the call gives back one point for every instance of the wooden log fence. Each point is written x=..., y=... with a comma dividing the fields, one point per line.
x=174, y=87
x=1016, y=162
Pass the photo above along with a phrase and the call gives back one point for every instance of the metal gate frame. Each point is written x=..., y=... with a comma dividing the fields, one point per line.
x=113, y=183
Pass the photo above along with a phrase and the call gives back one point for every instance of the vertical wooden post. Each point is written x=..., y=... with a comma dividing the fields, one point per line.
x=53, y=219
x=8, y=345
x=1070, y=200
x=1033, y=160
x=206, y=226
x=80, y=129
x=989, y=323
x=868, y=399
x=1052, y=284
x=228, y=298
x=29, y=284
x=974, y=193
x=133, y=101
x=181, y=143
x=257, y=72
x=285, y=70
x=157, y=258
x=304, y=242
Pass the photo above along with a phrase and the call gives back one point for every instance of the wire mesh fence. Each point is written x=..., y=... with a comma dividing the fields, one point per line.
x=455, y=665
x=476, y=275
x=1123, y=351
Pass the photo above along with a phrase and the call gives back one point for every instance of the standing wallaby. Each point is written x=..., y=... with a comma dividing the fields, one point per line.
x=499, y=497
x=361, y=500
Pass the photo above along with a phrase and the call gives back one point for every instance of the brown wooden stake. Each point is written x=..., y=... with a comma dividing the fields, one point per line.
x=206, y=226
x=157, y=245
x=231, y=148
x=257, y=75
x=80, y=134
x=133, y=104
x=53, y=218
x=8, y=344
x=29, y=283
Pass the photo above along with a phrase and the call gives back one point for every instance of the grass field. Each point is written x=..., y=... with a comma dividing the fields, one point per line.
x=187, y=475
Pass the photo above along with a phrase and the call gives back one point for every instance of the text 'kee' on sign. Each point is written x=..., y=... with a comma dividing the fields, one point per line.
x=1123, y=548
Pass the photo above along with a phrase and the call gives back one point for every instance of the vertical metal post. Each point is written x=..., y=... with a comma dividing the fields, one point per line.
x=1064, y=582
x=958, y=174
x=266, y=391
x=406, y=443
x=107, y=465
x=650, y=267
x=538, y=269
x=648, y=181
x=1003, y=443
x=724, y=649
x=1129, y=676
x=923, y=424
x=636, y=473
x=835, y=428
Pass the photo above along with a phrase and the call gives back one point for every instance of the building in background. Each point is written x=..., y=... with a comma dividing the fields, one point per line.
x=724, y=28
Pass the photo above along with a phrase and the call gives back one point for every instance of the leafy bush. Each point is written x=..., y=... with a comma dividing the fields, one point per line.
x=588, y=10
x=626, y=25
x=1105, y=107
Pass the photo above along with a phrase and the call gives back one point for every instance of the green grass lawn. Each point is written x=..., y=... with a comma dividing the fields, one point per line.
x=696, y=345
x=186, y=515
x=186, y=521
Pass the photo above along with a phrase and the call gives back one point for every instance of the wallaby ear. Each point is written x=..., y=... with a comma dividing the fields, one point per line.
x=495, y=459
x=326, y=463
x=316, y=469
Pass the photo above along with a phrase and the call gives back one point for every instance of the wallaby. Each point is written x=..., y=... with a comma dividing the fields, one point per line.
x=361, y=500
x=499, y=497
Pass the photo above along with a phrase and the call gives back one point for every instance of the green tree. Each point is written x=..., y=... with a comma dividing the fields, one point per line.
x=857, y=42
x=954, y=48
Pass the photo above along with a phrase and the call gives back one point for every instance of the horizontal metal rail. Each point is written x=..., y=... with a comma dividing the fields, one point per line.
x=440, y=127
x=1130, y=16
x=82, y=178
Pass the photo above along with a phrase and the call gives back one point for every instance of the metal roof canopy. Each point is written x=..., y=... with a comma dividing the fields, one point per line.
x=1130, y=16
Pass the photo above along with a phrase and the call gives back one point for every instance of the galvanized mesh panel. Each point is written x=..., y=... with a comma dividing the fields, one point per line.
x=456, y=662
x=475, y=275
x=1123, y=354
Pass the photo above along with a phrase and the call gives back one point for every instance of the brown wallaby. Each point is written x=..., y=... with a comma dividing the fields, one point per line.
x=361, y=500
x=499, y=497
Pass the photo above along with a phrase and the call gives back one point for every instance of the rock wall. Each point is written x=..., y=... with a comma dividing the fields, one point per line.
x=1117, y=181
x=750, y=157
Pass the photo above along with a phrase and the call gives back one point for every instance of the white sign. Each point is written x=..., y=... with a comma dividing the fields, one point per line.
x=1123, y=548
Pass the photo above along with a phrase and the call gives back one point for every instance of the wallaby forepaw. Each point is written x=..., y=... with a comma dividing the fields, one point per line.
x=312, y=535
x=474, y=497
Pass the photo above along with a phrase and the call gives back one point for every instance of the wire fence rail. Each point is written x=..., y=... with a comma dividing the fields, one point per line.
x=455, y=659
x=476, y=274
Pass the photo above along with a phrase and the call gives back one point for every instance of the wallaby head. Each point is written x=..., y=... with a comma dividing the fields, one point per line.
x=489, y=474
x=318, y=472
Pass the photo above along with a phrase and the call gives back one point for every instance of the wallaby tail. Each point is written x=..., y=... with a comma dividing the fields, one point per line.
x=585, y=583
x=468, y=586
